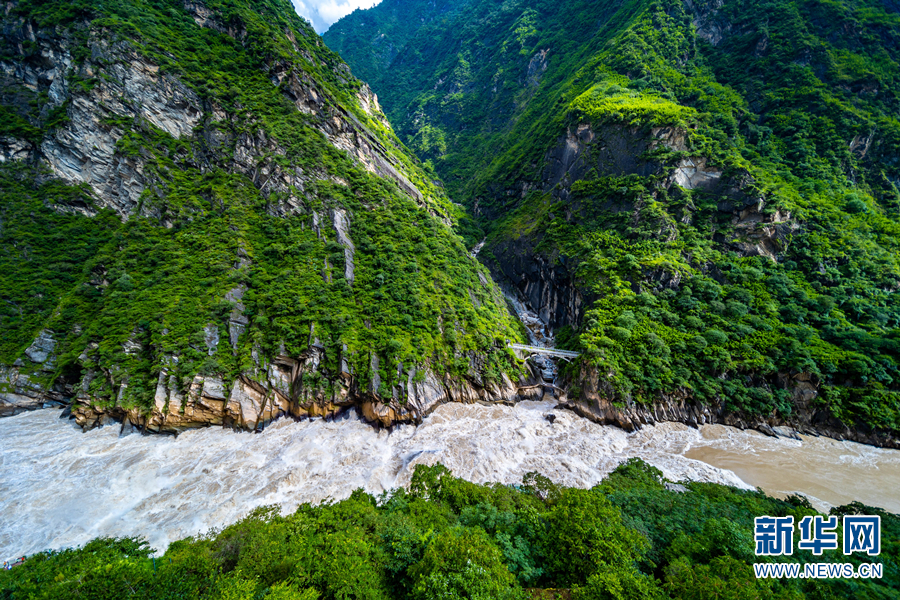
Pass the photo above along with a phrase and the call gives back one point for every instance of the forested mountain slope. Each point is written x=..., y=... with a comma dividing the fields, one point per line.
x=699, y=195
x=205, y=219
x=371, y=39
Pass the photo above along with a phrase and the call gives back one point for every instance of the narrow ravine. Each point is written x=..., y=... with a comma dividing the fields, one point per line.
x=538, y=335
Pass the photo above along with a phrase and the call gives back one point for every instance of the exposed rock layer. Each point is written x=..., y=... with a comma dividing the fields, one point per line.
x=547, y=280
x=807, y=417
x=125, y=84
x=249, y=404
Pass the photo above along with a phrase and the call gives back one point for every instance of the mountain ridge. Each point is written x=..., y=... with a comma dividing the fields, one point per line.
x=699, y=196
x=207, y=220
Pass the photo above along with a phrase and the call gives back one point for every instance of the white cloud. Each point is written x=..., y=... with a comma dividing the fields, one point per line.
x=322, y=13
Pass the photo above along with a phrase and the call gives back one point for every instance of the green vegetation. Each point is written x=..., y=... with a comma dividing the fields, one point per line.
x=388, y=30
x=156, y=280
x=786, y=265
x=628, y=538
x=609, y=101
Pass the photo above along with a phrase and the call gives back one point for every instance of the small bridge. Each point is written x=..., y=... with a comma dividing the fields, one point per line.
x=546, y=351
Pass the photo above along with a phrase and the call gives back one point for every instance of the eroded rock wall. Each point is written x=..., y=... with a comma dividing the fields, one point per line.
x=250, y=403
x=809, y=417
x=117, y=82
x=546, y=280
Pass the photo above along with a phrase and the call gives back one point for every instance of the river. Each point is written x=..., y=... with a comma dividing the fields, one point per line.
x=60, y=487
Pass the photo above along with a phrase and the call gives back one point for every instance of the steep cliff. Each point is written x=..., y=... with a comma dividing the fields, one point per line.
x=700, y=196
x=206, y=219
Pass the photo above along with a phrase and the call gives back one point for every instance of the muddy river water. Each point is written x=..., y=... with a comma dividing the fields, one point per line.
x=827, y=471
x=60, y=487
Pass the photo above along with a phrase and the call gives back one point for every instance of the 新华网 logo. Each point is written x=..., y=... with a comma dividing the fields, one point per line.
x=774, y=536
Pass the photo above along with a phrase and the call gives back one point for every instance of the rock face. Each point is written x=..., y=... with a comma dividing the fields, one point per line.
x=127, y=85
x=545, y=281
x=612, y=149
x=250, y=404
x=83, y=151
x=710, y=26
x=342, y=227
x=13, y=149
x=694, y=173
x=547, y=285
x=41, y=349
x=24, y=385
x=19, y=393
x=808, y=416
x=544, y=278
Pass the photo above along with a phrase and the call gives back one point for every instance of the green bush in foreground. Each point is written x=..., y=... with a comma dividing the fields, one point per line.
x=628, y=538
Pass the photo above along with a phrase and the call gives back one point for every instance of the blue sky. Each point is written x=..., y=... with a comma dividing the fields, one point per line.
x=322, y=13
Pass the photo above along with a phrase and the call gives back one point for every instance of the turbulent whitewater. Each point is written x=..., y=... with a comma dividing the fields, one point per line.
x=60, y=487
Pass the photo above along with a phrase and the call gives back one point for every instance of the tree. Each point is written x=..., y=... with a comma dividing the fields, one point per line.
x=618, y=583
x=463, y=562
x=585, y=534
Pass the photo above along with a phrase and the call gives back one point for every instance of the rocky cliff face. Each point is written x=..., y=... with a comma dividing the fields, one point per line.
x=271, y=139
x=124, y=84
x=251, y=403
x=542, y=275
x=810, y=416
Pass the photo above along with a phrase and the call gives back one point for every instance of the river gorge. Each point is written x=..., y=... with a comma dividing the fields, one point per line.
x=60, y=487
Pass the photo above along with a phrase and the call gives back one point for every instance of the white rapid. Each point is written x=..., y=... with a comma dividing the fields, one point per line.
x=60, y=487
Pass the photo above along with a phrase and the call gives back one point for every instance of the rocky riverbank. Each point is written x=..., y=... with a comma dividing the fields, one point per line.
x=808, y=415
x=253, y=400
x=250, y=404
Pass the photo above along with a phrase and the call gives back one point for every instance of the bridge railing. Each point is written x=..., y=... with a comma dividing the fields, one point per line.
x=547, y=351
